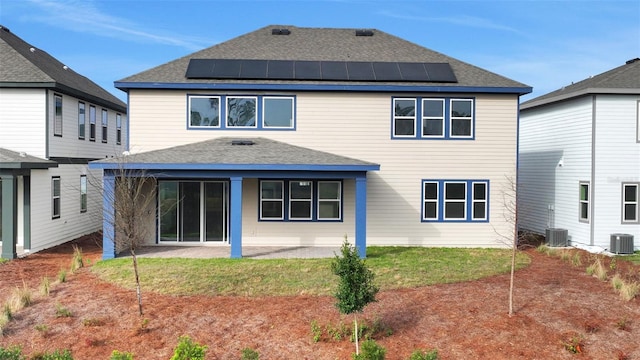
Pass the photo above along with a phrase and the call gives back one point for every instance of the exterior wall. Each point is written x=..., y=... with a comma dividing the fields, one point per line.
x=617, y=160
x=555, y=155
x=358, y=125
x=23, y=120
x=47, y=232
x=69, y=145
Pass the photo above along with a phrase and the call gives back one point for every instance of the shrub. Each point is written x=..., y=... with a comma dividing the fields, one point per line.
x=598, y=270
x=76, y=261
x=62, y=311
x=370, y=351
x=55, y=355
x=62, y=276
x=188, y=350
x=43, y=329
x=316, y=331
x=426, y=355
x=629, y=291
x=45, y=286
x=250, y=354
x=20, y=298
x=117, y=355
x=617, y=282
x=12, y=353
x=92, y=322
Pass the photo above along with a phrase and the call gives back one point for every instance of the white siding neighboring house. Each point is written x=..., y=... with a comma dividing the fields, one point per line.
x=354, y=132
x=579, y=159
x=48, y=194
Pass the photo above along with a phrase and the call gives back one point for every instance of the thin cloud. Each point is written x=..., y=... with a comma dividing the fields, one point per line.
x=83, y=16
x=460, y=20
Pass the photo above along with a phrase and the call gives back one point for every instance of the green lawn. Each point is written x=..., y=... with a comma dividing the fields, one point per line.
x=395, y=267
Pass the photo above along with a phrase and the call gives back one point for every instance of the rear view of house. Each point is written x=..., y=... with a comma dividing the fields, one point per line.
x=294, y=136
x=53, y=121
x=580, y=161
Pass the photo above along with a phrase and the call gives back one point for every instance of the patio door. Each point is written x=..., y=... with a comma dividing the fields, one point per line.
x=193, y=211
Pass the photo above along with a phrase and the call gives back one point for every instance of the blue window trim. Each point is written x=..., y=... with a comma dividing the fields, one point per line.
x=314, y=200
x=418, y=126
x=469, y=201
x=259, y=112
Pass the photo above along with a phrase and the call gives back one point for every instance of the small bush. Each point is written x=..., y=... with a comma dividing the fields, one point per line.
x=21, y=298
x=370, y=350
x=629, y=290
x=426, y=355
x=574, y=344
x=62, y=311
x=43, y=329
x=250, y=354
x=92, y=322
x=11, y=353
x=45, y=286
x=76, y=262
x=598, y=270
x=62, y=276
x=316, y=331
x=617, y=282
x=55, y=355
x=188, y=350
x=117, y=355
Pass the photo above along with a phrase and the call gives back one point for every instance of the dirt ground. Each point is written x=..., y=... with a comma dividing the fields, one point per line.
x=557, y=305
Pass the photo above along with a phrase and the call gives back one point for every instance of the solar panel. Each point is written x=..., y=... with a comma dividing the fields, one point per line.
x=319, y=70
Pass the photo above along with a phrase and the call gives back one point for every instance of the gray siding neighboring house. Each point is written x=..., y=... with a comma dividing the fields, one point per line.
x=579, y=167
x=53, y=121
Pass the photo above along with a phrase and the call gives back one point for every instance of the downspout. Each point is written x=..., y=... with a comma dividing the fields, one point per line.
x=593, y=172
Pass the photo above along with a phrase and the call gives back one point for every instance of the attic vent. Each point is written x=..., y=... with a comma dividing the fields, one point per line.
x=364, y=32
x=280, y=31
x=5, y=28
x=242, y=142
x=632, y=61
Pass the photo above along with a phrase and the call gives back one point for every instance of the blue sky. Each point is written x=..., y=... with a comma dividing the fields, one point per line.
x=544, y=44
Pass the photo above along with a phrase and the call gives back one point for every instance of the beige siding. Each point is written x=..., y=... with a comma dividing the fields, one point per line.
x=359, y=126
x=23, y=121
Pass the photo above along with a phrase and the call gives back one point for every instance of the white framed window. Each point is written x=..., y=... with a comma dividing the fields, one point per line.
x=329, y=200
x=92, y=123
x=105, y=124
x=204, y=111
x=272, y=200
x=630, y=203
x=404, y=118
x=81, y=120
x=430, y=200
x=584, y=202
x=83, y=193
x=479, y=200
x=242, y=111
x=461, y=118
x=55, y=197
x=455, y=200
x=277, y=112
x=433, y=118
x=300, y=200
x=57, y=115
x=118, y=129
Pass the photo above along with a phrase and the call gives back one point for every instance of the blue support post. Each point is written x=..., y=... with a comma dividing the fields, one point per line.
x=109, y=216
x=236, y=218
x=361, y=216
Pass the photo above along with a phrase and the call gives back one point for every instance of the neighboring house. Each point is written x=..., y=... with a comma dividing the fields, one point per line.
x=580, y=159
x=53, y=121
x=291, y=136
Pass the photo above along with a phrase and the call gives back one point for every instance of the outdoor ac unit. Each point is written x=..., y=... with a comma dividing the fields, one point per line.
x=621, y=244
x=556, y=237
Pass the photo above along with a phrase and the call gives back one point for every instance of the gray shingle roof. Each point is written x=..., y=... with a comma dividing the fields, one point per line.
x=624, y=79
x=219, y=153
x=24, y=65
x=320, y=44
x=17, y=160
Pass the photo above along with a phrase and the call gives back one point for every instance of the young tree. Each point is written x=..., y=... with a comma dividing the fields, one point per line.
x=356, y=288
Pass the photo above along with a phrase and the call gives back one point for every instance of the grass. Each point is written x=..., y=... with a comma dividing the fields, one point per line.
x=394, y=267
x=635, y=258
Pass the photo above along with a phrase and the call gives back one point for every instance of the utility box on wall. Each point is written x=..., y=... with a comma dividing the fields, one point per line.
x=621, y=244
x=556, y=237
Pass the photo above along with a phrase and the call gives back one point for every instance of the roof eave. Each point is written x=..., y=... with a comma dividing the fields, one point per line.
x=232, y=167
x=574, y=94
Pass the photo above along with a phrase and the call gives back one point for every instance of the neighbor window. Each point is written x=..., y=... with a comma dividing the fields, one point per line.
x=440, y=118
x=92, y=123
x=455, y=200
x=584, y=201
x=105, y=124
x=277, y=112
x=83, y=193
x=630, y=203
x=81, y=121
x=57, y=119
x=55, y=197
x=118, y=129
x=291, y=200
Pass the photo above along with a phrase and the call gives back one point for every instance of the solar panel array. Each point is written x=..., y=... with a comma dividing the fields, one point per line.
x=319, y=70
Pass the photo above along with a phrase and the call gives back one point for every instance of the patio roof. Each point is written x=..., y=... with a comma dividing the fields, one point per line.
x=19, y=160
x=236, y=154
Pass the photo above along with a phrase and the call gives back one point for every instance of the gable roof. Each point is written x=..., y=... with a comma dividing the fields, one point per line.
x=24, y=65
x=236, y=154
x=624, y=79
x=18, y=160
x=320, y=44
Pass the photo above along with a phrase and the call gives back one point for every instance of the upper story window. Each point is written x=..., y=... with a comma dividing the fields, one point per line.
x=118, y=129
x=57, y=118
x=630, y=203
x=105, y=124
x=455, y=200
x=584, y=201
x=241, y=112
x=92, y=123
x=306, y=200
x=81, y=120
x=433, y=118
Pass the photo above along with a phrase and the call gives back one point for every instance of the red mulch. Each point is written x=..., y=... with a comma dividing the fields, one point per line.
x=555, y=302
